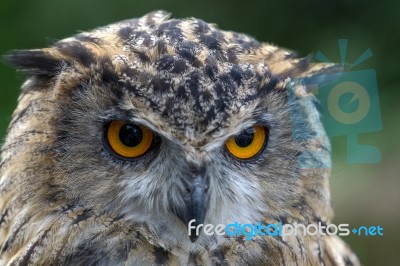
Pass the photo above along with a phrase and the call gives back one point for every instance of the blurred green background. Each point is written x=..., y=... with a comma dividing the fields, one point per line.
x=363, y=194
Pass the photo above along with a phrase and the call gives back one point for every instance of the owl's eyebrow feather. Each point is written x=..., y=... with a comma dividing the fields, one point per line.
x=132, y=114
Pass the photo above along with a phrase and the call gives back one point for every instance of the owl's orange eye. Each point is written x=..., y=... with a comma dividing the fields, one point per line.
x=247, y=143
x=128, y=139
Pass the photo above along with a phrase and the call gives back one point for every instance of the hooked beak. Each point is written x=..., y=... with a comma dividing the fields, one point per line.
x=195, y=203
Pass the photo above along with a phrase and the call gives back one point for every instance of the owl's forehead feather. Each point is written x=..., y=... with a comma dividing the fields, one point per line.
x=187, y=71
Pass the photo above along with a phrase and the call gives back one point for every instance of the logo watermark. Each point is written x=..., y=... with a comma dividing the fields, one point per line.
x=349, y=104
x=249, y=231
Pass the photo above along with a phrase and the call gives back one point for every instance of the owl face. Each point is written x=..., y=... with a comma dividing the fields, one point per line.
x=164, y=121
x=182, y=172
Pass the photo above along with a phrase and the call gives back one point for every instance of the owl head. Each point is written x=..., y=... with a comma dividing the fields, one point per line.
x=163, y=121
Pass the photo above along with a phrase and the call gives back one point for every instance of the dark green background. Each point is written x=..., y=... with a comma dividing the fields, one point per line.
x=362, y=194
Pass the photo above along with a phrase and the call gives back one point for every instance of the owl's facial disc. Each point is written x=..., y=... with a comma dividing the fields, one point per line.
x=195, y=198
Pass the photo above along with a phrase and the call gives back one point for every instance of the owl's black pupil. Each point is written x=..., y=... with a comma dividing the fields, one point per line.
x=130, y=135
x=245, y=138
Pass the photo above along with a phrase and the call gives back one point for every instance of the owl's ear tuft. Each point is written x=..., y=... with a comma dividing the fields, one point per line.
x=315, y=69
x=75, y=51
x=34, y=62
x=321, y=74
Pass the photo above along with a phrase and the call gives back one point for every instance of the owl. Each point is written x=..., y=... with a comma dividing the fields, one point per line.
x=125, y=135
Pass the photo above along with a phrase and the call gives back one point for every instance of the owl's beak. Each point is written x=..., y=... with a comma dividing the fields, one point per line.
x=197, y=207
x=195, y=203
